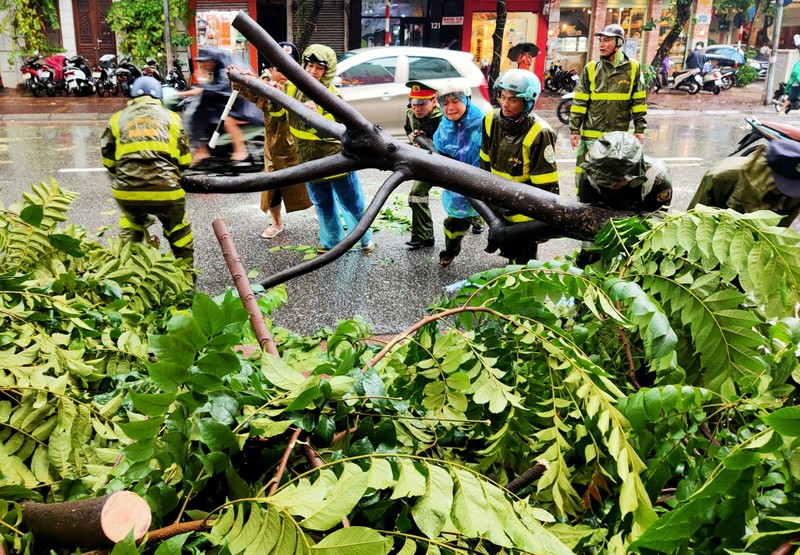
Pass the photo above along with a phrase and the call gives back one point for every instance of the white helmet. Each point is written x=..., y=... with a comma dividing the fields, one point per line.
x=453, y=88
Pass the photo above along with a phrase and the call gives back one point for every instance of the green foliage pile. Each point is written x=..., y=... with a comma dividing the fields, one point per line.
x=139, y=25
x=656, y=387
x=745, y=75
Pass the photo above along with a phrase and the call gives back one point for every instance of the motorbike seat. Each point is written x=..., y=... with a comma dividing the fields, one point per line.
x=789, y=131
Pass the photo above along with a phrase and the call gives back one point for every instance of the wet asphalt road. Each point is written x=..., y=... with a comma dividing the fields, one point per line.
x=389, y=288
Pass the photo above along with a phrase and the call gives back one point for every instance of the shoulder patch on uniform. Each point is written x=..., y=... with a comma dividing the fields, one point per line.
x=550, y=154
x=664, y=196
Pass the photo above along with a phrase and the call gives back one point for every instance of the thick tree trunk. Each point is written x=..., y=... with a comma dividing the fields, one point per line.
x=91, y=523
x=751, y=39
x=309, y=24
x=682, y=14
x=497, y=44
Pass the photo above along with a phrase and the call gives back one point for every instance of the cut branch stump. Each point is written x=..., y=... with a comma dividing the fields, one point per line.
x=97, y=522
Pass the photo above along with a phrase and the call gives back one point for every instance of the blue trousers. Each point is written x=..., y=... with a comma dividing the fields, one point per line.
x=342, y=195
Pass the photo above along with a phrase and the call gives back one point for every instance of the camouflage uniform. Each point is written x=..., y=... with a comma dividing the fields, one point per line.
x=745, y=184
x=145, y=147
x=608, y=96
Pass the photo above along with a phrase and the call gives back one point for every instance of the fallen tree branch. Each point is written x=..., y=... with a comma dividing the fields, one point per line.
x=528, y=477
x=96, y=522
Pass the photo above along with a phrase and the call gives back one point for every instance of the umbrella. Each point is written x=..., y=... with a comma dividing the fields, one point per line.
x=515, y=51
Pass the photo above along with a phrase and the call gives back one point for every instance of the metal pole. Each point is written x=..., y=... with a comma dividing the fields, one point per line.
x=387, y=33
x=773, y=58
x=167, y=36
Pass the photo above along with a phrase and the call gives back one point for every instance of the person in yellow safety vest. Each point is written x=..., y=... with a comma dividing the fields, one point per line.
x=518, y=145
x=337, y=193
x=610, y=93
x=145, y=148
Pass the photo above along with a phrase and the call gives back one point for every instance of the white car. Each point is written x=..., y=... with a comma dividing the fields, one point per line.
x=373, y=80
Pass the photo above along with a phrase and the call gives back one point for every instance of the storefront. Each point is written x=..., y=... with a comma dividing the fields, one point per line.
x=524, y=23
x=211, y=27
x=408, y=23
x=576, y=26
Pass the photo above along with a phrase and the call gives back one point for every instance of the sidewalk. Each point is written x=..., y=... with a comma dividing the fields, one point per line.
x=747, y=99
x=15, y=107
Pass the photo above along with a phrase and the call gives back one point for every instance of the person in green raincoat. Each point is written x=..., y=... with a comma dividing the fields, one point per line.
x=767, y=179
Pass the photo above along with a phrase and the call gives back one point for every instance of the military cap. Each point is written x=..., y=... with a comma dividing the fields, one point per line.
x=420, y=90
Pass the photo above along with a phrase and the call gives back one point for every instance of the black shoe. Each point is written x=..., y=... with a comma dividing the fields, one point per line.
x=477, y=229
x=415, y=244
x=446, y=258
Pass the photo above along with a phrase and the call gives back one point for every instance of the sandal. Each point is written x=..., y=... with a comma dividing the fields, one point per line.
x=271, y=232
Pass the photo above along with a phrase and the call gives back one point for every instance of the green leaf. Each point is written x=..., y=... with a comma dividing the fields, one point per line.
x=785, y=421
x=67, y=244
x=139, y=430
x=344, y=496
x=32, y=214
x=433, y=507
x=152, y=404
x=217, y=436
x=468, y=504
x=355, y=540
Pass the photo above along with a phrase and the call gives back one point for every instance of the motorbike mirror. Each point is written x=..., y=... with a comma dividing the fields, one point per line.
x=337, y=81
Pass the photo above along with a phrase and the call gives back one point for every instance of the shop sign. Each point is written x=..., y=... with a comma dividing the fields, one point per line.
x=456, y=20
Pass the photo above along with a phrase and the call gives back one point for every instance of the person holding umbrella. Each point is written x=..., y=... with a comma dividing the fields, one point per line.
x=523, y=53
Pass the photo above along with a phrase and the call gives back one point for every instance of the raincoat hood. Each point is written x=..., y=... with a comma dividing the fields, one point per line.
x=615, y=157
x=325, y=54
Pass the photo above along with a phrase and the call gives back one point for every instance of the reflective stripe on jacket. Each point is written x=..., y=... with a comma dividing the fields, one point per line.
x=310, y=145
x=520, y=151
x=608, y=96
x=145, y=147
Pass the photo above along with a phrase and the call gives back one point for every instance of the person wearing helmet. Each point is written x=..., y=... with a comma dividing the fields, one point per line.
x=145, y=148
x=336, y=194
x=792, y=83
x=609, y=95
x=520, y=146
x=280, y=150
x=423, y=117
x=767, y=179
x=458, y=137
x=617, y=175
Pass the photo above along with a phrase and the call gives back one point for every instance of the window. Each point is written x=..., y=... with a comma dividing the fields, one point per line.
x=573, y=31
x=430, y=68
x=374, y=72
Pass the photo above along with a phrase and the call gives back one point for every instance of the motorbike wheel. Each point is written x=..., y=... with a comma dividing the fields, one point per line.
x=550, y=84
x=50, y=89
x=693, y=87
x=114, y=90
x=778, y=100
x=568, y=85
x=34, y=89
x=728, y=82
x=563, y=110
x=716, y=90
x=101, y=90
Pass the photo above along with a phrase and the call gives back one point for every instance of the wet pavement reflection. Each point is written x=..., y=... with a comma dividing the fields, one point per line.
x=389, y=288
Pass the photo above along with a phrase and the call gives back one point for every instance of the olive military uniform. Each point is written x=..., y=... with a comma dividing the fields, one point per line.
x=421, y=218
x=145, y=147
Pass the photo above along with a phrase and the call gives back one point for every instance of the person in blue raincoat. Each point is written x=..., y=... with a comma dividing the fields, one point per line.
x=458, y=137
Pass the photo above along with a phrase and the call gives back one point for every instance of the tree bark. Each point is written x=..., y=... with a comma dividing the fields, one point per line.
x=497, y=44
x=308, y=26
x=97, y=522
x=683, y=12
x=751, y=39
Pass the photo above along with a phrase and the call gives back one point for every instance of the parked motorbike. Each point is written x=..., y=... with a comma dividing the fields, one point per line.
x=728, y=77
x=564, y=107
x=779, y=98
x=78, y=76
x=105, y=82
x=126, y=73
x=712, y=81
x=761, y=131
x=557, y=79
x=58, y=82
x=688, y=81
x=175, y=78
x=150, y=69
x=36, y=74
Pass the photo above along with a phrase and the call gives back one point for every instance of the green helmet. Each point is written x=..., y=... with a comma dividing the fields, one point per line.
x=521, y=82
x=614, y=157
